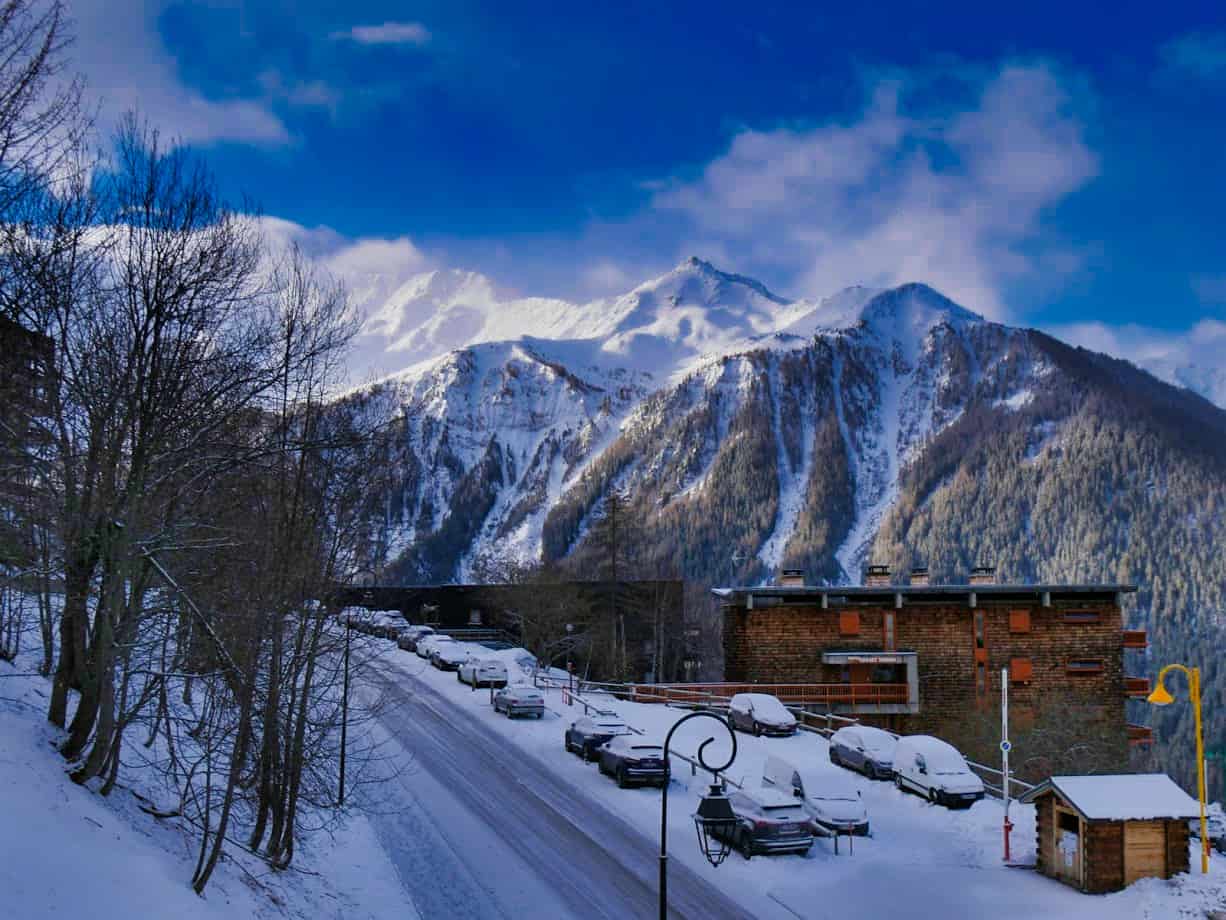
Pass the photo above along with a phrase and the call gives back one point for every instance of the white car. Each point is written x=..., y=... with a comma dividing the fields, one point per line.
x=483, y=672
x=427, y=645
x=449, y=656
x=829, y=796
x=934, y=769
x=761, y=714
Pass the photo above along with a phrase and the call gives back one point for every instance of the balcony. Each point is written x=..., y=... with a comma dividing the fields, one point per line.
x=1136, y=638
x=1136, y=686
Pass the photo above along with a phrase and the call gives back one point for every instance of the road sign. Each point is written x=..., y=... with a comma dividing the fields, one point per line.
x=1006, y=746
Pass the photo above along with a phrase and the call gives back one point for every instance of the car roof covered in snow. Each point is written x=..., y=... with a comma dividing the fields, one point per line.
x=1120, y=797
x=765, y=700
x=769, y=796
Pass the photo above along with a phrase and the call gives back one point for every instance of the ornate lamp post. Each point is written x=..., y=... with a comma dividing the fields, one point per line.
x=1162, y=697
x=714, y=818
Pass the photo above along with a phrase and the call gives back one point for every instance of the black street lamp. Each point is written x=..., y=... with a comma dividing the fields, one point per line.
x=714, y=819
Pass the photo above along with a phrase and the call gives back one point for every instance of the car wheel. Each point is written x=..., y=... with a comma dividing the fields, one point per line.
x=744, y=843
x=621, y=778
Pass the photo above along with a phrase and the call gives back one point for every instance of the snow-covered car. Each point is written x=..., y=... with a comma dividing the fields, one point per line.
x=483, y=672
x=387, y=623
x=411, y=635
x=864, y=748
x=585, y=735
x=830, y=797
x=427, y=644
x=761, y=714
x=1216, y=821
x=449, y=656
x=768, y=821
x=932, y=768
x=520, y=700
x=633, y=761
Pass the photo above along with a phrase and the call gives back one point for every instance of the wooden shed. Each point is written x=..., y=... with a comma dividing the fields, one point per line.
x=1102, y=833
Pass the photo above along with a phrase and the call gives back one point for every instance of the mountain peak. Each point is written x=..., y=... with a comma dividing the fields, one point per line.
x=694, y=267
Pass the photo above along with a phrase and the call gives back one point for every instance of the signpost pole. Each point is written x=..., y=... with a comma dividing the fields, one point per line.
x=1005, y=746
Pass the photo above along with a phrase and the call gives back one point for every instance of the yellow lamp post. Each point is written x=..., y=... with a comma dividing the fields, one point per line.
x=1162, y=697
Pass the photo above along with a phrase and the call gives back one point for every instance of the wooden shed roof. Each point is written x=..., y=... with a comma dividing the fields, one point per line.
x=1120, y=797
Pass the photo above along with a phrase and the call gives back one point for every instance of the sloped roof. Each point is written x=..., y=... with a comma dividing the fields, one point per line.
x=1120, y=797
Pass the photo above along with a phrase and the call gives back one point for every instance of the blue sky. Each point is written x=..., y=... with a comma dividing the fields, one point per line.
x=1061, y=167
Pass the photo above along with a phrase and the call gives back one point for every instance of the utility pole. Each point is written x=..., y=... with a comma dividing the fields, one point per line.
x=1005, y=746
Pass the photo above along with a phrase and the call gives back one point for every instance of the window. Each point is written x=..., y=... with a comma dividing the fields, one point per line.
x=980, y=635
x=474, y=618
x=981, y=679
x=1081, y=616
x=1019, y=621
x=1085, y=666
x=888, y=631
x=1021, y=670
x=849, y=623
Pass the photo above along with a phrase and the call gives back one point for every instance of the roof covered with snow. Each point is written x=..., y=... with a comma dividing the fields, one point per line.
x=1121, y=797
x=835, y=596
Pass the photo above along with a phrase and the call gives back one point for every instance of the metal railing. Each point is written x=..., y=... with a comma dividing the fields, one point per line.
x=788, y=694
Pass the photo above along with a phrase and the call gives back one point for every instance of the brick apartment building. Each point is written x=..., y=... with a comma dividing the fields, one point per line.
x=924, y=658
x=26, y=382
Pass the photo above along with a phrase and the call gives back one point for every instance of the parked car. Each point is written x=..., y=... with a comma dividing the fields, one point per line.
x=1216, y=821
x=768, y=821
x=932, y=768
x=864, y=748
x=761, y=714
x=483, y=672
x=427, y=644
x=585, y=735
x=387, y=623
x=411, y=635
x=520, y=700
x=449, y=656
x=830, y=798
x=632, y=760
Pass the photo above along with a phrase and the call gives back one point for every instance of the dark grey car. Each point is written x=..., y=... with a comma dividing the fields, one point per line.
x=865, y=749
x=633, y=762
x=587, y=734
x=768, y=821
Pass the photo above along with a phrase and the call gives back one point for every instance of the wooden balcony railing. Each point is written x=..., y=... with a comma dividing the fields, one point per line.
x=1136, y=638
x=789, y=694
x=1136, y=686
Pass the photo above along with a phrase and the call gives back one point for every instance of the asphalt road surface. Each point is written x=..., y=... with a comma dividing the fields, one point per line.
x=479, y=830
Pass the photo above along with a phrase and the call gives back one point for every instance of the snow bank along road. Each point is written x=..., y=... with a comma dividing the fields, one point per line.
x=505, y=838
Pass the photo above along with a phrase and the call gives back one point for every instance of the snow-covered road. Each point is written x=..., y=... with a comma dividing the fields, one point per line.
x=478, y=830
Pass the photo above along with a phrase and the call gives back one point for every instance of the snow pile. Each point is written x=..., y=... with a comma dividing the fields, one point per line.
x=66, y=851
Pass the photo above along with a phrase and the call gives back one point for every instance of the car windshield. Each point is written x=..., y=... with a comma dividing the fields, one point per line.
x=768, y=706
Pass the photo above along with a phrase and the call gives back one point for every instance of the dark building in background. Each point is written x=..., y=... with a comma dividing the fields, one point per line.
x=628, y=630
x=27, y=369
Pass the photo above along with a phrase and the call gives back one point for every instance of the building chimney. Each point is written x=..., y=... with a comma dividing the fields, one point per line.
x=793, y=578
x=919, y=577
x=877, y=576
x=983, y=575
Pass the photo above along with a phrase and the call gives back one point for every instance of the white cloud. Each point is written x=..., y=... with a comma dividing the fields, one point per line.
x=1190, y=358
x=901, y=194
x=388, y=33
x=126, y=67
x=309, y=94
x=1198, y=54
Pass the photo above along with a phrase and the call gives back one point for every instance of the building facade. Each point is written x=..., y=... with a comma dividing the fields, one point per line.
x=928, y=659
